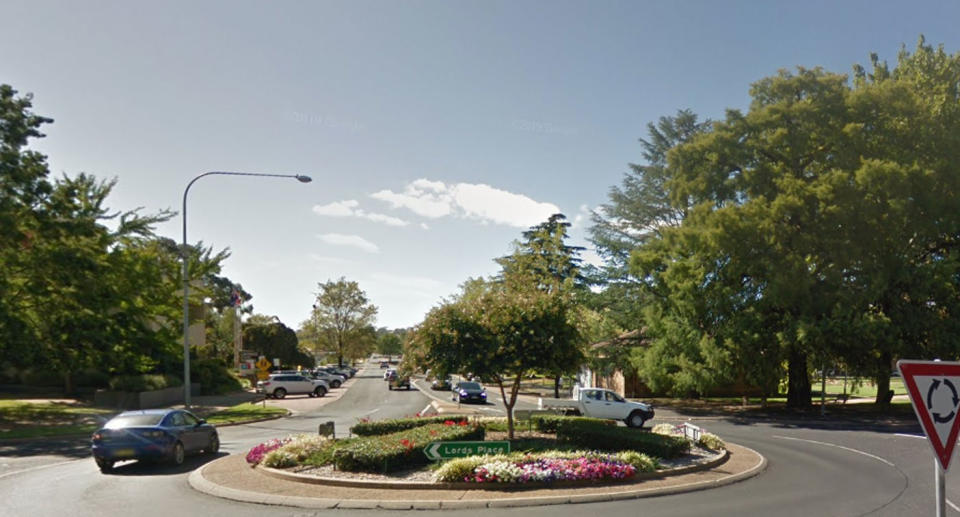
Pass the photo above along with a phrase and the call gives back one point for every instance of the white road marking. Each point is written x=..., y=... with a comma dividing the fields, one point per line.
x=8, y=474
x=911, y=436
x=867, y=454
x=371, y=412
x=955, y=508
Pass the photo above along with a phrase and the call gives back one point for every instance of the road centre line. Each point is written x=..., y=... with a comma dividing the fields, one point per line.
x=867, y=454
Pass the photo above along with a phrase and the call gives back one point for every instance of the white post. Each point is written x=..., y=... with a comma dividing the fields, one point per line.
x=941, y=489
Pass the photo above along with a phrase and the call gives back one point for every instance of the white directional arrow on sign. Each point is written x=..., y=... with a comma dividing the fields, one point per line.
x=432, y=451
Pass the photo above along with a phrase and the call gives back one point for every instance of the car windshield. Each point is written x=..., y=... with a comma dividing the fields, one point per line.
x=469, y=386
x=124, y=421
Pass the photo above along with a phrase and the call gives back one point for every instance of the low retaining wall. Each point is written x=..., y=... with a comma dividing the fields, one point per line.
x=142, y=399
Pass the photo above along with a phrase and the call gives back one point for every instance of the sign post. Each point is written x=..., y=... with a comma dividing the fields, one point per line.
x=934, y=388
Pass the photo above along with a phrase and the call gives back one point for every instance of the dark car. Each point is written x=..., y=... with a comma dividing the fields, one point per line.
x=441, y=384
x=470, y=392
x=153, y=434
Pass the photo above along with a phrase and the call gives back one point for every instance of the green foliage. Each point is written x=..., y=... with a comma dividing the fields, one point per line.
x=144, y=382
x=552, y=423
x=279, y=459
x=214, y=376
x=342, y=320
x=92, y=378
x=642, y=462
x=459, y=469
x=381, y=427
x=390, y=452
x=578, y=433
x=275, y=340
x=711, y=441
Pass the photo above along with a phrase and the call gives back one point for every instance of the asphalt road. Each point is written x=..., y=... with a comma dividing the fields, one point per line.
x=814, y=469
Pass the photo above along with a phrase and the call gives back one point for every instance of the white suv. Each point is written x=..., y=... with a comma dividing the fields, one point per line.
x=279, y=385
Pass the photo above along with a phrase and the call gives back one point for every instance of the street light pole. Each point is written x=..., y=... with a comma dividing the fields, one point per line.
x=186, y=277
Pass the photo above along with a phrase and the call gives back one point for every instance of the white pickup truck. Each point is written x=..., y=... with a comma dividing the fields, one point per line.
x=601, y=403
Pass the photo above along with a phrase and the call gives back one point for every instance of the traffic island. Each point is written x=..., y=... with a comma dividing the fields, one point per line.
x=232, y=478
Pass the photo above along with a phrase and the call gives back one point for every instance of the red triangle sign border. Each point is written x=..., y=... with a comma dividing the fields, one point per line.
x=909, y=370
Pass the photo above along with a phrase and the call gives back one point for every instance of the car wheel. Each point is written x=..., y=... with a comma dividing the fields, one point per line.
x=214, y=446
x=635, y=420
x=176, y=458
x=279, y=393
x=104, y=464
x=335, y=384
x=319, y=391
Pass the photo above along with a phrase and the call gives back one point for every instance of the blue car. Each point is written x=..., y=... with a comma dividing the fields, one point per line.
x=154, y=435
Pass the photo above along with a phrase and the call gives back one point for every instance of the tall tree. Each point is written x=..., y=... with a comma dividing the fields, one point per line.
x=343, y=316
x=500, y=335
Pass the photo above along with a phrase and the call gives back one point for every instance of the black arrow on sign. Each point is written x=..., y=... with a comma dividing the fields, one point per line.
x=933, y=387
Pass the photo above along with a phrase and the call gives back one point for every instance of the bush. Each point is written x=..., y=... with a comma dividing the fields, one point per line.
x=399, y=450
x=459, y=469
x=667, y=429
x=382, y=427
x=214, y=376
x=92, y=378
x=279, y=459
x=544, y=467
x=640, y=461
x=551, y=423
x=711, y=441
x=144, y=382
x=610, y=438
x=42, y=378
x=260, y=451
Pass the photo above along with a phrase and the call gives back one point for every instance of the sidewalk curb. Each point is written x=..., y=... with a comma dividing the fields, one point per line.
x=199, y=482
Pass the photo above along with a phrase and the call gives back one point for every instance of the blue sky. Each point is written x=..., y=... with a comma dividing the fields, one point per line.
x=435, y=132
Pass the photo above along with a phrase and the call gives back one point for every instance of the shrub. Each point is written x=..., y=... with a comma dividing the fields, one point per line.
x=279, y=459
x=711, y=441
x=640, y=461
x=214, y=376
x=551, y=423
x=459, y=469
x=399, y=450
x=382, y=427
x=90, y=378
x=144, y=382
x=554, y=466
x=43, y=378
x=667, y=429
x=610, y=438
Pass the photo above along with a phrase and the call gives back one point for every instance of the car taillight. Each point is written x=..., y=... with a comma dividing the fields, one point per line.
x=265, y=383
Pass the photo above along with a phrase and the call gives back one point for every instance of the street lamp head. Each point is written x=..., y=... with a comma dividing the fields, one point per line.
x=303, y=179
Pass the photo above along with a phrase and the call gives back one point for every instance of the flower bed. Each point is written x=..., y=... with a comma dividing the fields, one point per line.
x=546, y=467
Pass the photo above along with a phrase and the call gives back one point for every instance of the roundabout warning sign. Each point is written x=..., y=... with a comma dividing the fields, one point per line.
x=933, y=388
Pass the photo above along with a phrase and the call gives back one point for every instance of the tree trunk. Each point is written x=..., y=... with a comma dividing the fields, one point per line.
x=556, y=386
x=883, y=379
x=68, y=383
x=798, y=380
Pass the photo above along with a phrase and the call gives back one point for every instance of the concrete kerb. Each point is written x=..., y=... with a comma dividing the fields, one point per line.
x=756, y=464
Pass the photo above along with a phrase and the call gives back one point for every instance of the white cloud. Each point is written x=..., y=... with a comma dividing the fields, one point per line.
x=337, y=208
x=482, y=202
x=349, y=208
x=337, y=239
x=425, y=226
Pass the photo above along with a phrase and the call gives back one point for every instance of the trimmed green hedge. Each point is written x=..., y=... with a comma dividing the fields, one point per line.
x=577, y=433
x=551, y=423
x=401, y=450
x=381, y=427
x=144, y=382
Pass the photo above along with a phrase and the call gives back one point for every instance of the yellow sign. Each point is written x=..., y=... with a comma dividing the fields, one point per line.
x=263, y=375
x=263, y=364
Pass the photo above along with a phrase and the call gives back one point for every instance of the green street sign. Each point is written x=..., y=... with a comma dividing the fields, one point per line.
x=447, y=450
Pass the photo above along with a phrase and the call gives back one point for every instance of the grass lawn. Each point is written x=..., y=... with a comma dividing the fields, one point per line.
x=244, y=413
x=23, y=419
x=19, y=419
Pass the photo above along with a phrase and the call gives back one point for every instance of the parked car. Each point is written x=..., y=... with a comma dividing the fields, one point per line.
x=441, y=384
x=333, y=380
x=329, y=370
x=280, y=385
x=470, y=392
x=390, y=372
x=384, y=364
x=398, y=381
x=152, y=434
